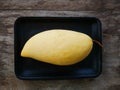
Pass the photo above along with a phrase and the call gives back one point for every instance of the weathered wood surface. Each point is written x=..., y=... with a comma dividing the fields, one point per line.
x=60, y=4
x=106, y=10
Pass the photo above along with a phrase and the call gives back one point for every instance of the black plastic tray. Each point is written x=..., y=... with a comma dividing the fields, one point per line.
x=27, y=68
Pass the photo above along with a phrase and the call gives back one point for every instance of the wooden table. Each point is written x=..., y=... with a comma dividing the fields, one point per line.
x=106, y=10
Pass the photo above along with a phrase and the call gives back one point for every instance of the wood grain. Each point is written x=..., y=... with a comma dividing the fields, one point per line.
x=60, y=4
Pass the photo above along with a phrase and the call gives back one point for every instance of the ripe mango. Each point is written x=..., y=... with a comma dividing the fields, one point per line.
x=58, y=47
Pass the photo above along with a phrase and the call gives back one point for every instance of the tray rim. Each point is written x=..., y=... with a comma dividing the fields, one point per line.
x=57, y=78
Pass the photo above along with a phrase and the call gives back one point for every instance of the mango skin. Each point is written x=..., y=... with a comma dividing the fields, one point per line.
x=58, y=47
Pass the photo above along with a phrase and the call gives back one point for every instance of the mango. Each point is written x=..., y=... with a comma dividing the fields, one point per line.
x=58, y=47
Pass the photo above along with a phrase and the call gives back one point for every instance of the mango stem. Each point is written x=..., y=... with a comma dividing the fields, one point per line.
x=97, y=42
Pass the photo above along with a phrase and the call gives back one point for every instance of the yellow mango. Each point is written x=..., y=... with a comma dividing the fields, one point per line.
x=59, y=47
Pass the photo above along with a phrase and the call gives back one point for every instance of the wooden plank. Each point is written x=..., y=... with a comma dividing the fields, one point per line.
x=60, y=4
